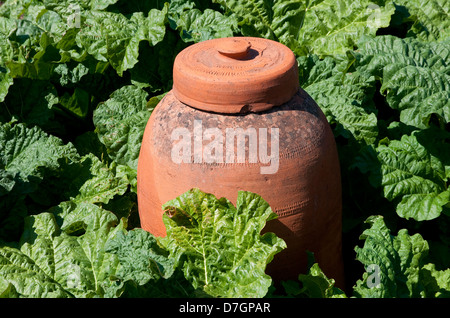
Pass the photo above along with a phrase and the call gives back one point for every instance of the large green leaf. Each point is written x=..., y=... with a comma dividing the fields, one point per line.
x=430, y=18
x=436, y=283
x=144, y=269
x=24, y=150
x=27, y=279
x=317, y=285
x=114, y=38
x=392, y=262
x=105, y=182
x=396, y=266
x=52, y=262
x=120, y=122
x=219, y=246
x=195, y=25
x=331, y=27
x=345, y=97
x=414, y=76
x=411, y=172
x=140, y=256
x=255, y=16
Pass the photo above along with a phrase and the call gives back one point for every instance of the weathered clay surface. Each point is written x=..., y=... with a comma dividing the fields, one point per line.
x=305, y=191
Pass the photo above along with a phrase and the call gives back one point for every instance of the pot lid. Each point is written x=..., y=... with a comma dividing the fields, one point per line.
x=235, y=75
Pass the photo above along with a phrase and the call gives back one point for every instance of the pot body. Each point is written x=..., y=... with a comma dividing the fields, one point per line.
x=303, y=188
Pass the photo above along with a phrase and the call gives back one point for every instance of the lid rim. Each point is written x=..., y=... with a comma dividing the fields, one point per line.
x=231, y=108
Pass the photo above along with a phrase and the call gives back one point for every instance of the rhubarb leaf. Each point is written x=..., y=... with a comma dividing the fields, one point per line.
x=114, y=38
x=195, y=25
x=120, y=122
x=410, y=174
x=53, y=263
x=414, y=76
x=24, y=150
x=219, y=246
x=430, y=18
x=344, y=97
x=392, y=262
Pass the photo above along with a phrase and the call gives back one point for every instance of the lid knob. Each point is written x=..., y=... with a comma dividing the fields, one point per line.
x=236, y=48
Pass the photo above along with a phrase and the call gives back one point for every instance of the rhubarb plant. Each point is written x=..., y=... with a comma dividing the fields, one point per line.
x=80, y=79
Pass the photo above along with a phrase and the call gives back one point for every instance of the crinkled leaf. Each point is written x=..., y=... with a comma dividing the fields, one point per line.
x=53, y=263
x=105, y=183
x=332, y=27
x=198, y=26
x=411, y=174
x=144, y=269
x=344, y=97
x=414, y=76
x=255, y=16
x=114, y=38
x=120, y=122
x=75, y=217
x=219, y=246
x=423, y=206
x=24, y=150
x=140, y=256
x=430, y=18
x=392, y=262
x=27, y=278
x=317, y=285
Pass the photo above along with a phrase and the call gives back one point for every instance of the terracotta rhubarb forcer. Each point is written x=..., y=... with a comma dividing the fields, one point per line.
x=238, y=96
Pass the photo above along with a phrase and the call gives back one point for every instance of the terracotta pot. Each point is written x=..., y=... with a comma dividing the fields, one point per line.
x=247, y=88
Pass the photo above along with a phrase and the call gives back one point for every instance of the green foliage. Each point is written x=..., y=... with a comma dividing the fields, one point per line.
x=79, y=80
x=219, y=245
x=401, y=262
x=313, y=284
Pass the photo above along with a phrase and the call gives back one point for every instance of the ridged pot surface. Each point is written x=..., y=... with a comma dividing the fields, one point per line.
x=303, y=188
